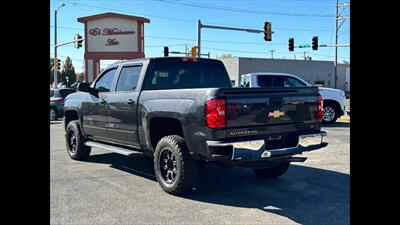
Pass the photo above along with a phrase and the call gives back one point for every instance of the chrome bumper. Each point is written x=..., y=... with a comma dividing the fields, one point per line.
x=255, y=149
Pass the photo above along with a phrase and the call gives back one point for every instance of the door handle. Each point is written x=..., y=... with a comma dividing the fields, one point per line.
x=130, y=102
x=102, y=101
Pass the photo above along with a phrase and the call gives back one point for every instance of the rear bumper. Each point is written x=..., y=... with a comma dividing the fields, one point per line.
x=255, y=150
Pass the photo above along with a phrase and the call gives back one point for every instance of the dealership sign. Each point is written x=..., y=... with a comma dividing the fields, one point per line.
x=111, y=36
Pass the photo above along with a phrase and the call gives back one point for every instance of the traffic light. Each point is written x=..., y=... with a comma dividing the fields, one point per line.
x=166, y=51
x=193, y=51
x=57, y=64
x=267, y=31
x=315, y=43
x=77, y=43
x=291, y=44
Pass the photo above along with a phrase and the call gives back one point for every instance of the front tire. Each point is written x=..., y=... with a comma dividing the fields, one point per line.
x=75, y=141
x=273, y=172
x=176, y=171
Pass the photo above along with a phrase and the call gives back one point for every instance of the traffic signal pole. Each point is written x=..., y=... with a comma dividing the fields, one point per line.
x=55, y=51
x=55, y=45
x=55, y=58
x=200, y=25
x=69, y=42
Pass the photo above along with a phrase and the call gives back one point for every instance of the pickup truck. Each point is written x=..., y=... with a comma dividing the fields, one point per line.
x=334, y=99
x=184, y=113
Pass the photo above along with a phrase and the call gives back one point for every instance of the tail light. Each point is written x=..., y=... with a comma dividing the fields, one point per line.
x=320, y=112
x=215, y=113
x=59, y=100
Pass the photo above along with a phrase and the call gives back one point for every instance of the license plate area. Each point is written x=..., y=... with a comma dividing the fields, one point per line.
x=281, y=141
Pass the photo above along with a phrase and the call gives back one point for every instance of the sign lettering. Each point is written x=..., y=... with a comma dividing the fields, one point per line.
x=108, y=31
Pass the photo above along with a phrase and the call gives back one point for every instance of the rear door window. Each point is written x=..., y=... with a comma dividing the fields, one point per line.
x=293, y=82
x=128, y=78
x=270, y=81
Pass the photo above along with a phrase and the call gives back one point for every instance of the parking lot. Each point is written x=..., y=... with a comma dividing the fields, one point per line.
x=115, y=189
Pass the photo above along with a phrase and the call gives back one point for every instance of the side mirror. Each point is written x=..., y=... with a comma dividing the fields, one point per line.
x=85, y=87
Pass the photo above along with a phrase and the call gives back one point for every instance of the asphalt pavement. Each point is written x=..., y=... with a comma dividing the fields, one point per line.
x=115, y=189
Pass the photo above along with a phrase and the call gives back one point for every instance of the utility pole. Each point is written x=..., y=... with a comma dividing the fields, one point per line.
x=336, y=40
x=337, y=27
x=272, y=53
x=186, y=50
x=199, y=25
x=55, y=46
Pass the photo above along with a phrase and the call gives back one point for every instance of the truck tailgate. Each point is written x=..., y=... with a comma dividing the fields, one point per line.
x=247, y=107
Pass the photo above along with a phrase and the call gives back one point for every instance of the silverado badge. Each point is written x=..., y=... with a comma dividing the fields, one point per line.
x=276, y=114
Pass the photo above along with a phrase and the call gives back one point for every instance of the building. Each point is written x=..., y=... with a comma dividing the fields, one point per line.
x=313, y=71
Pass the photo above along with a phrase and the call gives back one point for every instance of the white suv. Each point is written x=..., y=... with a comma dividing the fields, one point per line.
x=334, y=99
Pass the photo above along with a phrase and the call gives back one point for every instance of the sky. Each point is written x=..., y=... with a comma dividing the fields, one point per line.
x=173, y=23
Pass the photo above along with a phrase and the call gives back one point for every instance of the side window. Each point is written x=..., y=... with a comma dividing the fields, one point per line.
x=270, y=81
x=293, y=82
x=128, y=78
x=242, y=81
x=104, y=84
x=245, y=81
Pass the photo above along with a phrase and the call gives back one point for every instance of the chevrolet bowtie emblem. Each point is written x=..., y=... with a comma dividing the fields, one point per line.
x=276, y=114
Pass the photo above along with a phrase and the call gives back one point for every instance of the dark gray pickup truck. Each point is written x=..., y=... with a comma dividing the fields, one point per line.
x=184, y=112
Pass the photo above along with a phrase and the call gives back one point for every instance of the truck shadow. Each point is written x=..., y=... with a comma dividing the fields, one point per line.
x=338, y=124
x=304, y=194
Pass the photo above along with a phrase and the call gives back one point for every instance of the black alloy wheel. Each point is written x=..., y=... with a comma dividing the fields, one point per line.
x=168, y=166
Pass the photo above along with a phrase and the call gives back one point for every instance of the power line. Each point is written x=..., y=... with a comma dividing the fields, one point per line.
x=68, y=28
x=178, y=19
x=225, y=8
x=123, y=11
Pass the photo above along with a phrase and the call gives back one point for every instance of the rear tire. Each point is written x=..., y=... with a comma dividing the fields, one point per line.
x=272, y=172
x=331, y=113
x=75, y=142
x=176, y=171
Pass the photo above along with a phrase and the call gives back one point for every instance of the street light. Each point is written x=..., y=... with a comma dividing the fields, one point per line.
x=55, y=43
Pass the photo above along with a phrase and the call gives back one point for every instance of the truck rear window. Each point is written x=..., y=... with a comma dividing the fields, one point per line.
x=177, y=74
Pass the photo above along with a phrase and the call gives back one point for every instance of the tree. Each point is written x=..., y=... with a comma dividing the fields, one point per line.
x=80, y=77
x=68, y=75
x=52, y=72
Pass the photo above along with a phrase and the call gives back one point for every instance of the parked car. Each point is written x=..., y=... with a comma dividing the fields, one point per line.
x=57, y=97
x=185, y=113
x=333, y=99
